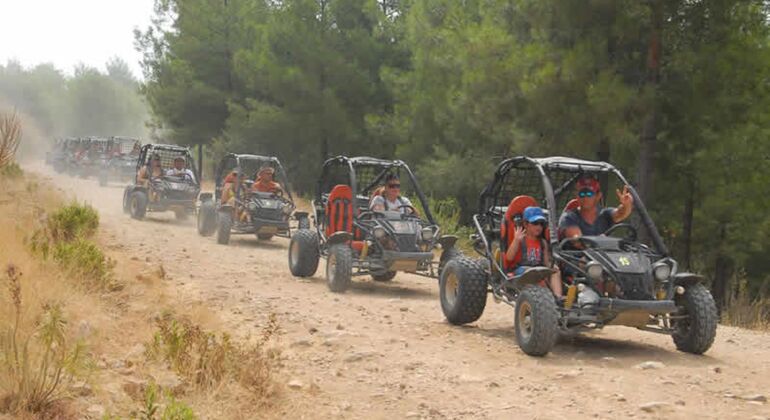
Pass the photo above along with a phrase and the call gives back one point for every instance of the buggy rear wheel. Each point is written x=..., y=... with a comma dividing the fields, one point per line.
x=537, y=320
x=224, y=224
x=695, y=334
x=383, y=277
x=207, y=218
x=463, y=290
x=339, y=268
x=447, y=255
x=138, y=205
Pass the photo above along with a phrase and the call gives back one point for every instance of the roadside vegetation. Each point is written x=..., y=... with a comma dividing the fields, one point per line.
x=69, y=311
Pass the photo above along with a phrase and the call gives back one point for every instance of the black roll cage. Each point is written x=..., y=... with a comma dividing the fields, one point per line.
x=579, y=167
x=238, y=157
x=386, y=165
x=150, y=147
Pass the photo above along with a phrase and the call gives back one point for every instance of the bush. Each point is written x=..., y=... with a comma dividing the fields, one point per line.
x=73, y=221
x=36, y=367
x=11, y=171
x=174, y=410
x=447, y=212
x=205, y=359
x=84, y=260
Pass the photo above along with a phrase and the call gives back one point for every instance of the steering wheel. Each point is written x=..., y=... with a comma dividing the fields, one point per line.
x=412, y=212
x=370, y=214
x=632, y=234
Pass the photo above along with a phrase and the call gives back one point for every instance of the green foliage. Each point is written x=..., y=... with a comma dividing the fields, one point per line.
x=173, y=410
x=206, y=359
x=86, y=262
x=72, y=221
x=88, y=103
x=11, y=171
x=673, y=93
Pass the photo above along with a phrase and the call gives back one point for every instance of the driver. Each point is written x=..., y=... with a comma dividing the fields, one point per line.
x=180, y=169
x=590, y=219
x=263, y=181
x=390, y=199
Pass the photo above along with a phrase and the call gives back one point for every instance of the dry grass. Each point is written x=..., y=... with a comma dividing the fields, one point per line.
x=10, y=138
x=745, y=312
x=206, y=359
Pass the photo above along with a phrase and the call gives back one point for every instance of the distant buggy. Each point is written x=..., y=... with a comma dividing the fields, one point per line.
x=246, y=210
x=163, y=192
x=624, y=281
x=357, y=241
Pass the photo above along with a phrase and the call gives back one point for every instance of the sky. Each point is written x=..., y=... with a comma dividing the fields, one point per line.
x=68, y=32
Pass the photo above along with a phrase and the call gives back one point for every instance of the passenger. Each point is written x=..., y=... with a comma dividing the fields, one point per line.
x=152, y=170
x=590, y=218
x=390, y=198
x=263, y=181
x=530, y=249
x=180, y=169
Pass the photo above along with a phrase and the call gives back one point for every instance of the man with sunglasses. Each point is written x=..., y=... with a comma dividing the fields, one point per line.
x=590, y=219
x=390, y=199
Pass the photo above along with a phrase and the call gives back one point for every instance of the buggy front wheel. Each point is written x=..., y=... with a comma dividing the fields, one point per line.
x=138, y=205
x=463, y=290
x=695, y=333
x=207, y=218
x=303, y=253
x=224, y=224
x=339, y=268
x=536, y=322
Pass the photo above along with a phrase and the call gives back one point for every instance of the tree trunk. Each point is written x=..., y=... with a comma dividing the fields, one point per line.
x=649, y=134
x=603, y=154
x=723, y=271
x=689, y=207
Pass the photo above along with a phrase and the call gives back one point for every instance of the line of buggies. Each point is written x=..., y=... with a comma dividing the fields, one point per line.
x=106, y=158
x=627, y=271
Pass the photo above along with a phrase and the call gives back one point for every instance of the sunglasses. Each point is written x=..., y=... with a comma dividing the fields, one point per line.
x=586, y=193
x=394, y=185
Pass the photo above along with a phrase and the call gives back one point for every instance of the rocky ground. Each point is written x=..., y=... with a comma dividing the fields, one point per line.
x=385, y=350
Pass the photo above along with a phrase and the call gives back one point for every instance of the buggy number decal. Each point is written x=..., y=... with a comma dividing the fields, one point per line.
x=624, y=261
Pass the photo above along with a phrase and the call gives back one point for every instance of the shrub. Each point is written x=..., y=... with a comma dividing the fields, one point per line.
x=36, y=367
x=174, y=410
x=11, y=171
x=84, y=260
x=72, y=221
x=206, y=359
x=447, y=213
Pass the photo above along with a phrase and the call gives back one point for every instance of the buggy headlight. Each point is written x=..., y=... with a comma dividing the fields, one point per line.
x=379, y=232
x=661, y=271
x=594, y=270
x=427, y=234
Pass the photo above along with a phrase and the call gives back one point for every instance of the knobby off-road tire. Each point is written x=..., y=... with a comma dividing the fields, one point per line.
x=339, y=268
x=138, y=205
x=207, y=218
x=695, y=334
x=303, y=223
x=303, y=253
x=126, y=201
x=537, y=320
x=463, y=290
x=447, y=255
x=224, y=224
x=386, y=276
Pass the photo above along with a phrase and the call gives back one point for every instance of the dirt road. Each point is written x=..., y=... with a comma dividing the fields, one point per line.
x=385, y=350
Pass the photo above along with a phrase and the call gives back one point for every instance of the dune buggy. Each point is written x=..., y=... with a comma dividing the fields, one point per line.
x=610, y=279
x=246, y=209
x=120, y=161
x=162, y=192
x=357, y=241
x=93, y=155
